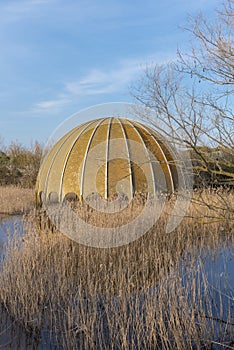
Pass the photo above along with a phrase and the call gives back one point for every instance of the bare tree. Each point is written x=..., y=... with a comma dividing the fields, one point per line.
x=193, y=101
x=184, y=116
x=212, y=59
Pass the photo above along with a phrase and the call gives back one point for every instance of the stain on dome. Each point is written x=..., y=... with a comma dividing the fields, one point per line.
x=107, y=156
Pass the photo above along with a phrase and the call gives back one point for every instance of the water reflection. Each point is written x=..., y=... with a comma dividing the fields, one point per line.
x=9, y=225
x=217, y=265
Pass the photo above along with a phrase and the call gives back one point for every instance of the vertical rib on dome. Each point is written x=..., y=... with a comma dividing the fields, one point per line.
x=102, y=156
x=161, y=154
x=148, y=156
x=67, y=157
x=107, y=159
x=85, y=157
x=129, y=159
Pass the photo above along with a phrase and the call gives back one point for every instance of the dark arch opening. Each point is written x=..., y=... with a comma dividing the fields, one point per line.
x=70, y=197
x=53, y=198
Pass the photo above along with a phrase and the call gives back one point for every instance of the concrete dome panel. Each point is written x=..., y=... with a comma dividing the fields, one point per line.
x=108, y=155
x=70, y=177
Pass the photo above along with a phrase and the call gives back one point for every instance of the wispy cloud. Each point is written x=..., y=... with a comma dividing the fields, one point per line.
x=95, y=82
x=116, y=80
x=50, y=106
x=99, y=81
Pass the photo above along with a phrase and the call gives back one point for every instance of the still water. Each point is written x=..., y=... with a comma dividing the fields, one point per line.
x=218, y=267
x=9, y=225
x=12, y=335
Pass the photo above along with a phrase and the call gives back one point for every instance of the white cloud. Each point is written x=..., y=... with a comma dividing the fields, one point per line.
x=100, y=81
x=49, y=105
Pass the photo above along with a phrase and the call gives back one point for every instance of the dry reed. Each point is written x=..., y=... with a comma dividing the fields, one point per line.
x=15, y=200
x=150, y=294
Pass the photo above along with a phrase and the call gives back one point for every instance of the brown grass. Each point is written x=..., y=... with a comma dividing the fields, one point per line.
x=15, y=200
x=150, y=294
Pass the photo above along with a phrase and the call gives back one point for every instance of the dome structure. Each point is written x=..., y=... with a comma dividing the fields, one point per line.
x=107, y=156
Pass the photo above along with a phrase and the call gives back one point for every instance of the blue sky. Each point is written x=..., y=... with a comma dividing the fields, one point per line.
x=58, y=57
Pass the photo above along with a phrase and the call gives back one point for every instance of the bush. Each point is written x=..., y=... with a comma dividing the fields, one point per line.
x=19, y=165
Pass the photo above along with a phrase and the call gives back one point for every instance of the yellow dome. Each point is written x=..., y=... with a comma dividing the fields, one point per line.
x=107, y=156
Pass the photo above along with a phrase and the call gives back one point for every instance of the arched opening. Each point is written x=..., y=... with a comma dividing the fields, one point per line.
x=70, y=197
x=53, y=198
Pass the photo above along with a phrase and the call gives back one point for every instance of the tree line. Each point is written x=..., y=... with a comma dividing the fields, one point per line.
x=19, y=165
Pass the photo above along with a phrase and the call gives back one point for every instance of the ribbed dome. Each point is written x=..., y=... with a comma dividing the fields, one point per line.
x=107, y=156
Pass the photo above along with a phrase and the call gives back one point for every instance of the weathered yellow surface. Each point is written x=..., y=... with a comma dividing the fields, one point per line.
x=107, y=156
x=71, y=181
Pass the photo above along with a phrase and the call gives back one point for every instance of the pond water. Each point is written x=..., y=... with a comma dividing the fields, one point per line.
x=13, y=336
x=220, y=275
x=218, y=267
x=8, y=225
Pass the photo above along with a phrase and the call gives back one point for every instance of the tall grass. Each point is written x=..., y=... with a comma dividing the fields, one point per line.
x=16, y=200
x=151, y=294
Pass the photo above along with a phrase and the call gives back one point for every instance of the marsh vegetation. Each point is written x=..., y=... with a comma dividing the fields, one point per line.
x=155, y=293
x=15, y=200
x=162, y=291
